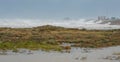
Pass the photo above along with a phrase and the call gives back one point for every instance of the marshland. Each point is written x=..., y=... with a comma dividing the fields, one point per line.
x=50, y=37
x=58, y=43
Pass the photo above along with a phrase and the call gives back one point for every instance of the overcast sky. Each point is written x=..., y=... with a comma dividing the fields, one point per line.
x=58, y=9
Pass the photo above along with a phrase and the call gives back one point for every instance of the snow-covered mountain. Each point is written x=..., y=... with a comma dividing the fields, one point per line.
x=79, y=23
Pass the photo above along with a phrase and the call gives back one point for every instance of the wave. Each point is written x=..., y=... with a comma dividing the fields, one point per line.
x=79, y=23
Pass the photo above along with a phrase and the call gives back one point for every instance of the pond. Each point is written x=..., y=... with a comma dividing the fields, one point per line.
x=75, y=55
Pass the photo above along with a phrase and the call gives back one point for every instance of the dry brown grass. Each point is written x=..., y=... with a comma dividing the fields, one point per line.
x=53, y=34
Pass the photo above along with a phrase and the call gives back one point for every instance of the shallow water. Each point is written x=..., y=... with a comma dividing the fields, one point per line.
x=75, y=55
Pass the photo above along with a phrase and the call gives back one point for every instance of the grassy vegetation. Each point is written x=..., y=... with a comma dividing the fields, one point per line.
x=50, y=38
x=29, y=45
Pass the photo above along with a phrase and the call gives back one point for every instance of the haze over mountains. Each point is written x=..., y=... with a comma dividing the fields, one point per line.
x=99, y=23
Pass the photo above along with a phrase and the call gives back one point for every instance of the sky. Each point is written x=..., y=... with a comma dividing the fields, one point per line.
x=58, y=9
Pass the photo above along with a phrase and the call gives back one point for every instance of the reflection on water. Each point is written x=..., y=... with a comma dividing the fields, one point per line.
x=75, y=55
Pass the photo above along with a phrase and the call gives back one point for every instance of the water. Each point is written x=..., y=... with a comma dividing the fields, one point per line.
x=75, y=55
x=77, y=23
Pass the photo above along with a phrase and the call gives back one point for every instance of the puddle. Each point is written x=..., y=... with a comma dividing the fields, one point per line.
x=75, y=55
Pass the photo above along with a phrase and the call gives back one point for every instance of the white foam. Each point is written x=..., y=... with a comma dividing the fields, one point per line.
x=80, y=23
